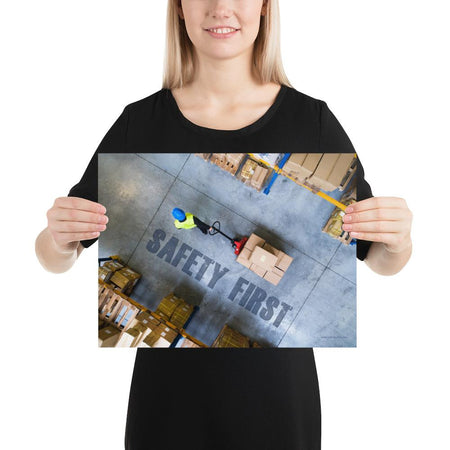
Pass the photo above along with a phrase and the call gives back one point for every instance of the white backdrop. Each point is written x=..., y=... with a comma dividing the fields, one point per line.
x=69, y=68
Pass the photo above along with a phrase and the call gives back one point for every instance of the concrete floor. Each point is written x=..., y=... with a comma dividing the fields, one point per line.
x=314, y=305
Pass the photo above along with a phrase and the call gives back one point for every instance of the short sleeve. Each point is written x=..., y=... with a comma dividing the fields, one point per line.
x=334, y=139
x=114, y=141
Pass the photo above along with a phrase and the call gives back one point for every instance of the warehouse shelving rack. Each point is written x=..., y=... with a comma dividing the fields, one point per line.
x=278, y=170
x=135, y=306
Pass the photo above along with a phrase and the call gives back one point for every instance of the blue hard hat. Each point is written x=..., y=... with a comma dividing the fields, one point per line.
x=178, y=214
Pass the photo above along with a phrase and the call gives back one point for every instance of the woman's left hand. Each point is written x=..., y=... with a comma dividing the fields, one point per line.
x=380, y=219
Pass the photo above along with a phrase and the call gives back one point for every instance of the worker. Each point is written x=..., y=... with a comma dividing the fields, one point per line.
x=188, y=221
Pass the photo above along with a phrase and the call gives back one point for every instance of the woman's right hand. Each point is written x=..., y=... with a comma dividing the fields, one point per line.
x=74, y=219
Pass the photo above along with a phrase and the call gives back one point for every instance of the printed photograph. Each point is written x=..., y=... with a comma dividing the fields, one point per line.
x=243, y=250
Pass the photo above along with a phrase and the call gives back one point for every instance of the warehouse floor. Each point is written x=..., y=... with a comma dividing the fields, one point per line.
x=314, y=305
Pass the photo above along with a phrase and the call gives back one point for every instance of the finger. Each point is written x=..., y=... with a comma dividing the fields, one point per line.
x=76, y=215
x=65, y=238
x=77, y=227
x=375, y=214
x=80, y=203
x=376, y=203
x=378, y=226
x=387, y=238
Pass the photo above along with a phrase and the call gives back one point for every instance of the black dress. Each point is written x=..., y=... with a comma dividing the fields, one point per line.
x=230, y=399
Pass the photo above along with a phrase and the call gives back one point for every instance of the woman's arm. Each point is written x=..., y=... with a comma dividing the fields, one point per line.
x=384, y=262
x=52, y=257
x=70, y=220
x=386, y=221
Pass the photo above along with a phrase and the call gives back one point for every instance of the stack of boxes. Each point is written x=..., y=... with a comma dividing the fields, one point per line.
x=140, y=328
x=227, y=161
x=108, y=336
x=118, y=273
x=143, y=329
x=324, y=171
x=106, y=271
x=146, y=330
x=333, y=227
x=125, y=279
x=175, y=310
x=162, y=336
x=263, y=259
x=228, y=337
x=253, y=174
x=321, y=171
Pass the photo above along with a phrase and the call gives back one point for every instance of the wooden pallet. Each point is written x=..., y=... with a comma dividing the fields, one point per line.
x=111, y=305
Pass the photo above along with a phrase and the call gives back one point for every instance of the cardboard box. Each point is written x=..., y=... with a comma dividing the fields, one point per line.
x=163, y=336
x=228, y=337
x=148, y=341
x=253, y=241
x=181, y=314
x=108, y=336
x=113, y=265
x=119, y=280
x=217, y=158
x=245, y=253
x=263, y=258
x=272, y=277
x=244, y=262
x=294, y=167
x=130, y=273
x=235, y=158
x=341, y=168
x=270, y=249
x=311, y=161
x=227, y=161
x=279, y=258
x=128, y=338
x=243, y=257
x=144, y=344
x=146, y=319
x=168, y=305
x=261, y=271
x=258, y=177
x=248, y=170
x=187, y=343
x=284, y=262
x=125, y=277
x=277, y=271
x=143, y=333
x=323, y=171
x=104, y=274
x=295, y=160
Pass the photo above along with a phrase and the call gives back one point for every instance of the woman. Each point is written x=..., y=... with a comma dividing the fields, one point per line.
x=224, y=89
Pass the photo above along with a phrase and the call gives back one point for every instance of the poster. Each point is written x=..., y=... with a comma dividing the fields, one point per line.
x=260, y=259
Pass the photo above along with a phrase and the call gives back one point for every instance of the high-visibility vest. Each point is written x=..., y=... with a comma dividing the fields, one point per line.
x=187, y=223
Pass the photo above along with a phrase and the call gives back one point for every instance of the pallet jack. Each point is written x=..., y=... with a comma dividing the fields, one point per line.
x=236, y=243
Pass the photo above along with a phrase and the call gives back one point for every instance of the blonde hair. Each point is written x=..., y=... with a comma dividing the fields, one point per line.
x=179, y=54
